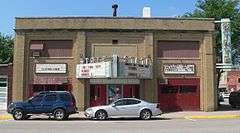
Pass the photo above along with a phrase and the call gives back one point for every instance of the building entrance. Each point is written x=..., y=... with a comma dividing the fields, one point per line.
x=106, y=94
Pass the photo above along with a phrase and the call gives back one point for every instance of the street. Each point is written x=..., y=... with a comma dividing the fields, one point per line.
x=158, y=125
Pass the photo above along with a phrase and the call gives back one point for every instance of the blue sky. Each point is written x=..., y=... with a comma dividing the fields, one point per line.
x=9, y=9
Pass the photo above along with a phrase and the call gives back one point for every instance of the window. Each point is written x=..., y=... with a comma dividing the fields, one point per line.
x=37, y=98
x=121, y=103
x=131, y=102
x=114, y=41
x=178, y=49
x=238, y=80
x=169, y=89
x=51, y=97
x=3, y=84
x=187, y=89
x=65, y=97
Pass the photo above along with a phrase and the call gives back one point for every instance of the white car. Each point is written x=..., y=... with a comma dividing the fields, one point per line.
x=124, y=107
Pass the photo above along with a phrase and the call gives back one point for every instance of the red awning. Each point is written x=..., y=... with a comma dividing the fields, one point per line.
x=36, y=47
x=50, y=80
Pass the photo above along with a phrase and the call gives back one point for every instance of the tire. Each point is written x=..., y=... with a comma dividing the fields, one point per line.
x=145, y=114
x=59, y=114
x=18, y=114
x=101, y=115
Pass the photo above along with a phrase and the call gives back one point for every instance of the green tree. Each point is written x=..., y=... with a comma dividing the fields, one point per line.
x=6, y=49
x=219, y=9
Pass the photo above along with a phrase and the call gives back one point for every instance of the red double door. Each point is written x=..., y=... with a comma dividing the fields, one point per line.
x=105, y=94
x=180, y=94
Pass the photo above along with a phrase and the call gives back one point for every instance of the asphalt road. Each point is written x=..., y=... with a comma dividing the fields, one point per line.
x=157, y=125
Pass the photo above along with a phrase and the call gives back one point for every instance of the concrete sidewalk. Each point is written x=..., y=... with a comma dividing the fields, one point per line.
x=171, y=115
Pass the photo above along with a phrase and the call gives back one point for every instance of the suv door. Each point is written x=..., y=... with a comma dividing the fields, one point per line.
x=36, y=103
x=49, y=102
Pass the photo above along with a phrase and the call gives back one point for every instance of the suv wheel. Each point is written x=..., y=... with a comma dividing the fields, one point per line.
x=18, y=114
x=145, y=114
x=59, y=114
x=101, y=115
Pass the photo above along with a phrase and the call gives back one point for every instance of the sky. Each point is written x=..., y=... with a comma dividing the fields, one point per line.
x=9, y=9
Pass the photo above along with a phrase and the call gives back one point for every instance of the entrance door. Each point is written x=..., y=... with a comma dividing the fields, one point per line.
x=98, y=95
x=180, y=94
x=114, y=93
x=3, y=92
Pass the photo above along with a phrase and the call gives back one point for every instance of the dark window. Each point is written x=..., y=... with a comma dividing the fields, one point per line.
x=37, y=98
x=238, y=80
x=131, y=102
x=178, y=49
x=51, y=97
x=169, y=89
x=121, y=103
x=3, y=84
x=3, y=79
x=65, y=97
x=188, y=89
x=114, y=41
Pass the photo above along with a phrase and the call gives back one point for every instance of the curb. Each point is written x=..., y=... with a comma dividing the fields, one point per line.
x=6, y=117
x=212, y=117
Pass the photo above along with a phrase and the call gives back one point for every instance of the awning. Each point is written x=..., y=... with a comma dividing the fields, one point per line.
x=50, y=80
x=36, y=46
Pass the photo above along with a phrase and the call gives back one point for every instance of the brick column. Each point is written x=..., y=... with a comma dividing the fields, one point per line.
x=209, y=73
x=79, y=85
x=18, y=85
x=150, y=85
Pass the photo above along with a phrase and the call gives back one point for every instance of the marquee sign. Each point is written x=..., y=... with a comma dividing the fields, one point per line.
x=94, y=70
x=51, y=68
x=179, y=68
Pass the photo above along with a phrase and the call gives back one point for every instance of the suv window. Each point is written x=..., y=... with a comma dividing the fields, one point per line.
x=65, y=97
x=131, y=102
x=51, y=97
x=37, y=98
x=121, y=102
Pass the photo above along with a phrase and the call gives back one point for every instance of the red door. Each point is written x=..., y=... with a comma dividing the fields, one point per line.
x=180, y=94
x=131, y=91
x=98, y=94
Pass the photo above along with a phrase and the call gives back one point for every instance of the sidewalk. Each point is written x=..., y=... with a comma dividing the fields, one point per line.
x=171, y=115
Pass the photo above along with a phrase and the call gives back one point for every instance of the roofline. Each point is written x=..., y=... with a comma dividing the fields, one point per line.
x=106, y=17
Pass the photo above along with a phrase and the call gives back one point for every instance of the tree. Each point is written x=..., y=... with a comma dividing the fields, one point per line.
x=219, y=9
x=6, y=49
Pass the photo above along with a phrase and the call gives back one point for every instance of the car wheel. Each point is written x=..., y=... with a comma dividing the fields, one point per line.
x=18, y=114
x=59, y=114
x=101, y=115
x=145, y=114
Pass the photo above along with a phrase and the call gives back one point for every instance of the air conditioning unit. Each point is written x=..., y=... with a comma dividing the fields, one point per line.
x=36, y=53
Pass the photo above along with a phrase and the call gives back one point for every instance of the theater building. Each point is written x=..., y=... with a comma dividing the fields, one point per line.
x=100, y=59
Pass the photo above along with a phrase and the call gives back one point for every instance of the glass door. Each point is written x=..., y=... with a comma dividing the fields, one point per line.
x=114, y=93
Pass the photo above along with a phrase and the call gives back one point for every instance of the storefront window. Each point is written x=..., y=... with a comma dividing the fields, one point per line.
x=169, y=89
x=188, y=89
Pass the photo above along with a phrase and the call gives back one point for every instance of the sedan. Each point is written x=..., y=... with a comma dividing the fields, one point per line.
x=124, y=107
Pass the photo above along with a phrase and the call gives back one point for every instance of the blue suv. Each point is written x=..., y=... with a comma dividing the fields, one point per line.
x=59, y=104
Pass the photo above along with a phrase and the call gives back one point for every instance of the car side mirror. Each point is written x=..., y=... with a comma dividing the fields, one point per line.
x=113, y=105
